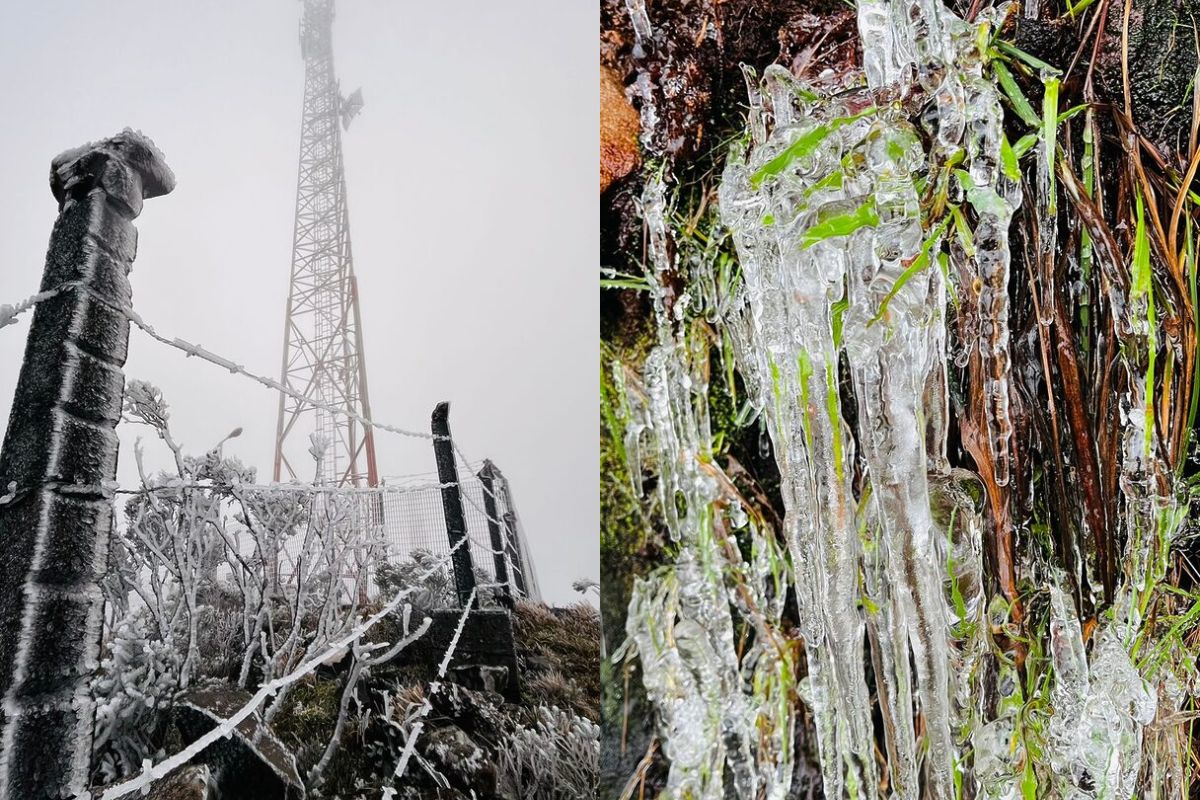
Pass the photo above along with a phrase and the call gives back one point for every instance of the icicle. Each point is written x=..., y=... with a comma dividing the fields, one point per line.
x=786, y=340
x=889, y=649
x=680, y=621
x=994, y=209
x=841, y=274
x=957, y=503
x=826, y=220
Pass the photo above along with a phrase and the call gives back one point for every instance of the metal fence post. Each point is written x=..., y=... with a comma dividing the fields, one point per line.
x=487, y=477
x=456, y=524
x=60, y=448
x=513, y=538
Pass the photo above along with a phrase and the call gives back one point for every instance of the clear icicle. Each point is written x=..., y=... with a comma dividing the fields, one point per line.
x=841, y=276
x=680, y=621
x=808, y=272
x=786, y=340
x=1100, y=710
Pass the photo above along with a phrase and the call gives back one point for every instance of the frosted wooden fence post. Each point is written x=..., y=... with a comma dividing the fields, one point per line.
x=456, y=524
x=61, y=446
x=487, y=477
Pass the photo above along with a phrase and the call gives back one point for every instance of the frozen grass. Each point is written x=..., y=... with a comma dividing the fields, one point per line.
x=1069, y=600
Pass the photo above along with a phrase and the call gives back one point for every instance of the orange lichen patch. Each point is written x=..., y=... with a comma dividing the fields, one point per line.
x=618, y=130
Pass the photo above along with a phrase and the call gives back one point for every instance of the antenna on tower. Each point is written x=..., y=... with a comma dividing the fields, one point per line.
x=350, y=107
x=323, y=357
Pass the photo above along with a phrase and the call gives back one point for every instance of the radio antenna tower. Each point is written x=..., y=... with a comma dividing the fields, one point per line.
x=322, y=335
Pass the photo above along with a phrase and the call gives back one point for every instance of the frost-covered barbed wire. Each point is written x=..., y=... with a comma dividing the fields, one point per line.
x=10, y=312
x=417, y=721
x=198, y=351
x=194, y=350
x=267, y=690
x=7, y=494
x=175, y=486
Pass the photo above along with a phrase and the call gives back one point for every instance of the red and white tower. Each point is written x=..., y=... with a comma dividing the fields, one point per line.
x=323, y=357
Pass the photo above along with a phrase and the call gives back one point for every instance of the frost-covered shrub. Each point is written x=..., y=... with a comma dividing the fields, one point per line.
x=138, y=676
x=211, y=576
x=431, y=586
x=557, y=757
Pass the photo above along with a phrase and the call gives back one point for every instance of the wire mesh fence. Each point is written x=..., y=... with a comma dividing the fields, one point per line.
x=200, y=574
x=407, y=517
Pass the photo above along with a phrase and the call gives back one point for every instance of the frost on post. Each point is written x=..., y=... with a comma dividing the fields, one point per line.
x=59, y=451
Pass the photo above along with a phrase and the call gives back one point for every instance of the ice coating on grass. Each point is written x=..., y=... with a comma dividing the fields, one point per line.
x=786, y=339
x=838, y=329
x=724, y=710
x=824, y=210
x=1101, y=706
x=724, y=707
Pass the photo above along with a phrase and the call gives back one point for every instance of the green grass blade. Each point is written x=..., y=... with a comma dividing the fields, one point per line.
x=841, y=225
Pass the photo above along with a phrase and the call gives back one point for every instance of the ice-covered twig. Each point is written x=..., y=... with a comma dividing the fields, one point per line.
x=226, y=727
x=364, y=660
x=434, y=685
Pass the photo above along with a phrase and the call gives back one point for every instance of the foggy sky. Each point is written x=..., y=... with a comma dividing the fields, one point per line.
x=473, y=217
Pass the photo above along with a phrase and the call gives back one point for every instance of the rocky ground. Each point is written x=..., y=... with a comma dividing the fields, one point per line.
x=472, y=742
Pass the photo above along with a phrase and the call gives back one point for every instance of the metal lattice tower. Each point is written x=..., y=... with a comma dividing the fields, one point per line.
x=322, y=349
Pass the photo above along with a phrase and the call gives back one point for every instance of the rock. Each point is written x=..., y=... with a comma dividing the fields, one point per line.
x=482, y=677
x=479, y=714
x=618, y=130
x=189, y=782
x=453, y=751
x=486, y=643
x=252, y=764
x=1162, y=63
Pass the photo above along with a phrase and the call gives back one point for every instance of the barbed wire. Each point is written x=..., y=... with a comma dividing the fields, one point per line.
x=198, y=351
x=14, y=491
x=426, y=706
x=10, y=312
x=225, y=727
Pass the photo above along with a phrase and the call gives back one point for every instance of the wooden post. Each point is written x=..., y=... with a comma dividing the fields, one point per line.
x=60, y=448
x=456, y=525
x=487, y=477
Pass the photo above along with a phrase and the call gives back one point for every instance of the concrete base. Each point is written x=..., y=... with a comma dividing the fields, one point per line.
x=486, y=656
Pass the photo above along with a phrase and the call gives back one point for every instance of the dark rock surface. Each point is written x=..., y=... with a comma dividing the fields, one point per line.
x=252, y=764
x=486, y=641
x=189, y=782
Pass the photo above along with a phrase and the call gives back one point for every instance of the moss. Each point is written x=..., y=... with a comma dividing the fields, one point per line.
x=308, y=717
